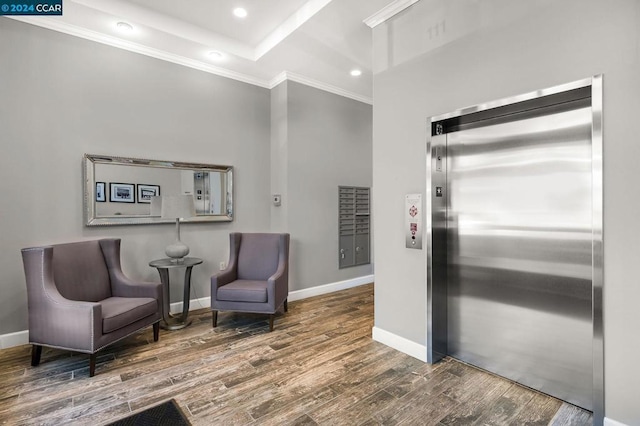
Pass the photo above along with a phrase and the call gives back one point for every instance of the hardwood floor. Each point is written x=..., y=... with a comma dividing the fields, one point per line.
x=318, y=367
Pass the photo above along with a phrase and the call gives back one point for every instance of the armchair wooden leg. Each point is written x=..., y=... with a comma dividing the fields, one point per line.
x=214, y=318
x=92, y=365
x=156, y=331
x=286, y=305
x=36, y=351
x=271, y=322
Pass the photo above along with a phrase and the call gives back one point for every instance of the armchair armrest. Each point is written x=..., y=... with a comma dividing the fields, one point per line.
x=279, y=274
x=121, y=285
x=224, y=277
x=278, y=283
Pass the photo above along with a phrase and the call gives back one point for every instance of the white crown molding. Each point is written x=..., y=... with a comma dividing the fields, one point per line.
x=388, y=11
x=278, y=79
x=73, y=30
x=287, y=75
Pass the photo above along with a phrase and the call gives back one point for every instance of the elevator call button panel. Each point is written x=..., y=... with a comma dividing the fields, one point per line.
x=413, y=221
x=439, y=159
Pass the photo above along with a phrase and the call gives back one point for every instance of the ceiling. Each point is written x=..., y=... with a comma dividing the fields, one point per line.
x=316, y=42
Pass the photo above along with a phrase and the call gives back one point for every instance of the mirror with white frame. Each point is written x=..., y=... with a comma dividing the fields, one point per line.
x=126, y=191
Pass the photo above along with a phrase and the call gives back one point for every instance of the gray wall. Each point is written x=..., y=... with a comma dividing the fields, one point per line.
x=438, y=56
x=61, y=97
x=324, y=141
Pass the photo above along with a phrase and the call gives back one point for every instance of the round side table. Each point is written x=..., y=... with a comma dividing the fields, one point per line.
x=171, y=322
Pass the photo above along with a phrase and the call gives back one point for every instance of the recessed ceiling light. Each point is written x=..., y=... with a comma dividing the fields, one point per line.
x=215, y=55
x=356, y=73
x=240, y=12
x=124, y=27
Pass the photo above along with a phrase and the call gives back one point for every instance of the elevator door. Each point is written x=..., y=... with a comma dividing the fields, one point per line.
x=519, y=253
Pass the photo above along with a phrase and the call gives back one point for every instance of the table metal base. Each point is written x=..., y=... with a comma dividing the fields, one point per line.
x=171, y=321
x=174, y=324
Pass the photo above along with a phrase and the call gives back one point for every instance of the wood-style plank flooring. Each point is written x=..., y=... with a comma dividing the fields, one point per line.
x=318, y=367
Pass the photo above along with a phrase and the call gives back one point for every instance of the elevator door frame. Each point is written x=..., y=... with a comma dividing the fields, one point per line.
x=436, y=277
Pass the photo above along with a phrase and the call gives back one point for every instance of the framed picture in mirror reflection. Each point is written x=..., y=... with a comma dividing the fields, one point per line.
x=101, y=197
x=145, y=192
x=122, y=192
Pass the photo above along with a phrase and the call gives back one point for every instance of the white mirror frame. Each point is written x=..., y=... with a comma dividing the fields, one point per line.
x=89, y=184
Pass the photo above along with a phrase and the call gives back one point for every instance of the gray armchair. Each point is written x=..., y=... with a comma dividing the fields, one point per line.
x=80, y=300
x=257, y=277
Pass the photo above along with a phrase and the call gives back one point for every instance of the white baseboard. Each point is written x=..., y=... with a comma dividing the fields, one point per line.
x=401, y=344
x=329, y=288
x=205, y=302
x=14, y=339
x=194, y=304
x=22, y=337
x=610, y=422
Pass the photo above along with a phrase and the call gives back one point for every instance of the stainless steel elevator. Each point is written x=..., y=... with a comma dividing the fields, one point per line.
x=514, y=240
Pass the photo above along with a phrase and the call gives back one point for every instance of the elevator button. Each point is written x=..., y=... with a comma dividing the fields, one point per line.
x=438, y=159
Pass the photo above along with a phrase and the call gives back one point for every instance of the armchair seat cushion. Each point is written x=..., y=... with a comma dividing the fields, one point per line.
x=119, y=312
x=244, y=291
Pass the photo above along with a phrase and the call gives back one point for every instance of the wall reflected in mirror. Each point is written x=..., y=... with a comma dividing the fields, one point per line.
x=122, y=191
